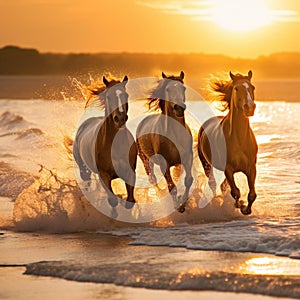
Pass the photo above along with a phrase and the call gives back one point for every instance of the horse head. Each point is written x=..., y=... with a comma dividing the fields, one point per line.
x=174, y=94
x=116, y=100
x=243, y=93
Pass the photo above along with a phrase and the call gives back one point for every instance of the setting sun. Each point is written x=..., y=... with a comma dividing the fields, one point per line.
x=241, y=15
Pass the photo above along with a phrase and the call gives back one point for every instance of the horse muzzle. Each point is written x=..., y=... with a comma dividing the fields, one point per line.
x=120, y=120
x=249, y=111
x=179, y=110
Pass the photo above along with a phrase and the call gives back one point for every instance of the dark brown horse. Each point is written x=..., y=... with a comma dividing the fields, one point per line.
x=165, y=139
x=103, y=145
x=228, y=143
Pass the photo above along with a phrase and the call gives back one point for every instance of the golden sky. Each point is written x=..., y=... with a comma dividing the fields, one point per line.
x=241, y=28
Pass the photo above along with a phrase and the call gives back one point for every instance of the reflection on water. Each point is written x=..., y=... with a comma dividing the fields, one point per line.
x=270, y=265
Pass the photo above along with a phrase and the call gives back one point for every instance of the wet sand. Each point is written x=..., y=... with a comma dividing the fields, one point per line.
x=19, y=249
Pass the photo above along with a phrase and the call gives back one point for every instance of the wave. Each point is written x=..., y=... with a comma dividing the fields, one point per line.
x=254, y=235
x=13, y=182
x=30, y=132
x=10, y=120
x=158, y=275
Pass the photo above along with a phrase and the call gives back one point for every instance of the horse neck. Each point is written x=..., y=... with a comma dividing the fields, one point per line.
x=108, y=129
x=238, y=124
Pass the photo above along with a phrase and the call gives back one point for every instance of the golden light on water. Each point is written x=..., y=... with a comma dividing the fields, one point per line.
x=269, y=266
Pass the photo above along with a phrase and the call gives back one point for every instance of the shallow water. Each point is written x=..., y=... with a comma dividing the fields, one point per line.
x=31, y=135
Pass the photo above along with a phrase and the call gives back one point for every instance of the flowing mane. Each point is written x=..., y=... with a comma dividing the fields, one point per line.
x=94, y=94
x=156, y=100
x=224, y=88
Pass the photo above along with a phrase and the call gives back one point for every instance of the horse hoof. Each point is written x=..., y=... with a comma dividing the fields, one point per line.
x=238, y=204
x=181, y=209
x=113, y=202
x=114, y=214
x=129, y=204
x=245, y=210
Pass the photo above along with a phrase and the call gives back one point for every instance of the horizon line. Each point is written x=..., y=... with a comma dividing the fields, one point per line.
x=146, y=53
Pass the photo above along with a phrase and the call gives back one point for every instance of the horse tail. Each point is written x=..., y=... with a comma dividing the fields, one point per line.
x=68, y=144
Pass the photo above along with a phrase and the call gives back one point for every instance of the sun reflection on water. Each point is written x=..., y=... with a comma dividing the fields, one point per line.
x=270, y=266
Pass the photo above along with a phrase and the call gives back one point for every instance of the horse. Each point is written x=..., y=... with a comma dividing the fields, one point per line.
x=228, y=143
x=165, y=138
x=95, y=149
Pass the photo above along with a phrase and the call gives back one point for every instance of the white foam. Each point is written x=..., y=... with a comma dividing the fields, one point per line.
x=238, y=236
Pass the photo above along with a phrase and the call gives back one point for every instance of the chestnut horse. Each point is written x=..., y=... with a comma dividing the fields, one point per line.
x=228, y=143
x=165, y=139
x=94, y=150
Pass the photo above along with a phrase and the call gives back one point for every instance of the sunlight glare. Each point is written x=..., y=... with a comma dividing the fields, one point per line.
x=241, y=15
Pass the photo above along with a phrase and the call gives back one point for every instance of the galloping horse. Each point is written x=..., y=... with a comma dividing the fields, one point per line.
x=94, y=149
x=165, y=139
x=228, y=143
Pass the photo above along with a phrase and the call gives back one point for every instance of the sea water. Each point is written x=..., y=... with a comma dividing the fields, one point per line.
x=37, y=177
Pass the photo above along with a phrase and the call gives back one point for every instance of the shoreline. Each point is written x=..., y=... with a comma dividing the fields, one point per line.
x=48, y=288
x=109, y=265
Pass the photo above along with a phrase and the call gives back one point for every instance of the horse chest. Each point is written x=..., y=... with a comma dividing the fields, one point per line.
x=240, y=159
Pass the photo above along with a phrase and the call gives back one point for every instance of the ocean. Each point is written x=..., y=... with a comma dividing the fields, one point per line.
x=211, y=247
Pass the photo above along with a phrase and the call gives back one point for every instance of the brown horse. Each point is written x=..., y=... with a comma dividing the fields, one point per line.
x=165, y=139
x=228, y=143
x=103, y=145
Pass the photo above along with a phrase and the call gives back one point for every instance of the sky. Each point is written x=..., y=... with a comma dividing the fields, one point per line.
x=241, y=28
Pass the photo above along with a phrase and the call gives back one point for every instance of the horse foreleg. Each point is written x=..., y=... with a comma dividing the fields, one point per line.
x=148, y=165
x=207, y=167
x=235, y=192
x=130, y=183
x=252, y=194
x=106, y=180
x=187, y=181
x=171, y=187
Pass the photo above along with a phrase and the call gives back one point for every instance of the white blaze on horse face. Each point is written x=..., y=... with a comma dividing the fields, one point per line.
x=177, y=96
x=118, y=93
x=249, y=98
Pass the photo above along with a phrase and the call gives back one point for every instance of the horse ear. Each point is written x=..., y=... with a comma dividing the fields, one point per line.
x=105, y=81
x=181, y=75
x=250, y=75
x=163, y=75
x=125, y=79
x=231, y=75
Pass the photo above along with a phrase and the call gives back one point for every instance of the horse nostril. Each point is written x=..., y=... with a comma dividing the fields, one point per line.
x=126, y=118
x=116, y=119
x=246, y=107
x=179, y=107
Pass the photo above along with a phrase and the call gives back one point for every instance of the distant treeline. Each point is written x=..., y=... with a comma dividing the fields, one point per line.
x=21, y=61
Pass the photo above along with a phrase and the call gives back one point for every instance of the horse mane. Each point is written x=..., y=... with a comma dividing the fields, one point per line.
x=156, y=100
x=224, y=89
x=94, y=94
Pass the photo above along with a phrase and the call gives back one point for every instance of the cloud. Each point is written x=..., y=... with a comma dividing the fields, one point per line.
x=205, y=10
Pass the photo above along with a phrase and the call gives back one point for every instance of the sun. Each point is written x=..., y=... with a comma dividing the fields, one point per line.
x=241, y=15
